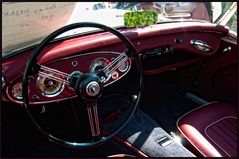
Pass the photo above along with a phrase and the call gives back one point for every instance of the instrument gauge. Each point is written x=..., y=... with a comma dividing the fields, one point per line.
x=49, y=87
x=17, y=90
x=99, y=64
x=124, y=66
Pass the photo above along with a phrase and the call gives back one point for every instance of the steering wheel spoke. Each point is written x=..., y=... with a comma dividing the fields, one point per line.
x=93, y=118
x=53, y=74
x=114, y=65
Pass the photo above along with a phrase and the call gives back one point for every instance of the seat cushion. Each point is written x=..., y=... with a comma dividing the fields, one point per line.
x=211, y=129
x=122, y=155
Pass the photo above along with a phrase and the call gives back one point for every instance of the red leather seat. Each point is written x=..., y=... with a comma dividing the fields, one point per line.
x=121, y=156
x=211, y=129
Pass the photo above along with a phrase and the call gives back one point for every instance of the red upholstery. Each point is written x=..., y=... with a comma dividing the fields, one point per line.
x=121, y=155
x=211, y=129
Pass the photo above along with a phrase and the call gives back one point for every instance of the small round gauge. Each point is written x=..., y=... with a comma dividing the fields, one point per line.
x=99, y=64
x=115, y=75
x=49, y=87
x=124, y=66
x=17, y=90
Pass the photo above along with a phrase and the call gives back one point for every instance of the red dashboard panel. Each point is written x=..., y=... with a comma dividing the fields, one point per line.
x=143, y=39
x=81, y=63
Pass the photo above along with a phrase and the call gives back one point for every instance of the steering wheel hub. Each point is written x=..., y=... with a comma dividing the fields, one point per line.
x=87, y=86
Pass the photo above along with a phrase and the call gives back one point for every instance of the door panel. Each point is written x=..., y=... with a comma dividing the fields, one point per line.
x=218, y=77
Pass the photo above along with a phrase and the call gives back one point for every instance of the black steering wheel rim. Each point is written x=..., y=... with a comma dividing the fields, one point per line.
x=32, y=61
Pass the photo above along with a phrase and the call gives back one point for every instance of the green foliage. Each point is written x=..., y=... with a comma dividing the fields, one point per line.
x=141, y=18
x=232, y=23
x=225, y=6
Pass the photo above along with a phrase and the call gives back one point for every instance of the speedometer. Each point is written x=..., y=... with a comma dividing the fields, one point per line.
x=49, y=87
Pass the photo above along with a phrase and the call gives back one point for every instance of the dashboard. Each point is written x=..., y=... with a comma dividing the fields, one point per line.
x=161, y=48
x=50, y=83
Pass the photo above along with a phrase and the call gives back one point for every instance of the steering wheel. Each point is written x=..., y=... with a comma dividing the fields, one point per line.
x=88, y=86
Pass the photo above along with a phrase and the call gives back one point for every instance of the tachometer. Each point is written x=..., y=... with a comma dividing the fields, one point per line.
x=49, y=87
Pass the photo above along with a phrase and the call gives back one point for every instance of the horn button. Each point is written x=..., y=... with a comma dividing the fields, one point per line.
x=92, y=88
x=87, y=86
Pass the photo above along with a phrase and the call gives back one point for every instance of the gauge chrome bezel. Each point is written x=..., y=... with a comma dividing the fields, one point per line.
x=59, y=91
x=126, y=68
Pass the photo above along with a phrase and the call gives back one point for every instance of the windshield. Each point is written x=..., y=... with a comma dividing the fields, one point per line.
x=27, y=23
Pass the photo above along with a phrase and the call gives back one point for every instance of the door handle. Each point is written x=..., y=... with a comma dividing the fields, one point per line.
x=201, y=46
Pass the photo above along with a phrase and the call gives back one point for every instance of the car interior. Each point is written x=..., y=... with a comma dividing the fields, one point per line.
x=164, y=90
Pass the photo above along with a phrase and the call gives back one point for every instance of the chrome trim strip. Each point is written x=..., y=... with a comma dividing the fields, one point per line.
x=196, y=99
